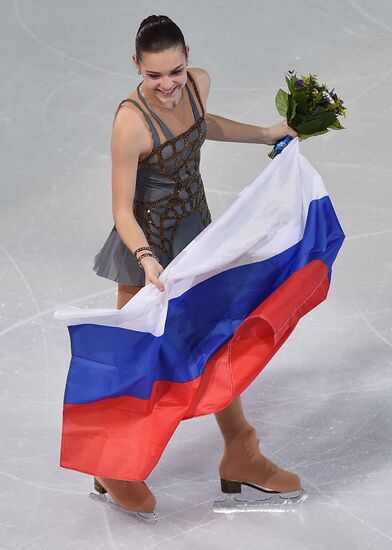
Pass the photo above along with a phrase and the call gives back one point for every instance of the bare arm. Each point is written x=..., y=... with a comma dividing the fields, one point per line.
x=224, y=129
x=128, y=142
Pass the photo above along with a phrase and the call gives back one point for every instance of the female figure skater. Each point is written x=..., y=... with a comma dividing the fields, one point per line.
x=159, y=207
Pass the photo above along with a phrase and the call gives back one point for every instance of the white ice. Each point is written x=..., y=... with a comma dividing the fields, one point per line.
x=322, y=406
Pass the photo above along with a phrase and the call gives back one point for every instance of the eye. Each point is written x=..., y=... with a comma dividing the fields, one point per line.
x=178, y=71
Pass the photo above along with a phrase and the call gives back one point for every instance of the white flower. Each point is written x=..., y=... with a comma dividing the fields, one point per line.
x=327, y=96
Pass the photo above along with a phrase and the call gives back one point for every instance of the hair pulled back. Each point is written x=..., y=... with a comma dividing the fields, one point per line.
x=156, y=34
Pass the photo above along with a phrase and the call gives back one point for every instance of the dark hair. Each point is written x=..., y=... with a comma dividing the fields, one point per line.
x=156, y=34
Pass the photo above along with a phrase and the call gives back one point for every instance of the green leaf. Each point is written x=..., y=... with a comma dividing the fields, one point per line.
x=318, y=110
x=300, y=99
x=289, y=106
x=316, y=124
x=306, y=136
x=320, y=132
x=336, y=125
x=282, y=102
x=293, y=109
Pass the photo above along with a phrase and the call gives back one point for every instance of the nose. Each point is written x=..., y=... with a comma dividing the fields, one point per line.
x=167, y=84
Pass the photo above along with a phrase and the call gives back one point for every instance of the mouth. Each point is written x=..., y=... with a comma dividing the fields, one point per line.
x=167, y=94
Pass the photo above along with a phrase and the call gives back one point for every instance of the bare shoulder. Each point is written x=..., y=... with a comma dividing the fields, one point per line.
x=130, y=129
x=203, y=83
x=201, y=76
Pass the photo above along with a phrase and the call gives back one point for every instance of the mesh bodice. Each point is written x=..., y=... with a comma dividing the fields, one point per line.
x=168, y=184
x=169, y=203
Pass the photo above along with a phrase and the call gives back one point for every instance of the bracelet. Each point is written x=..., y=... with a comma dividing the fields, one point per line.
x=142, y=248
x=146, y=254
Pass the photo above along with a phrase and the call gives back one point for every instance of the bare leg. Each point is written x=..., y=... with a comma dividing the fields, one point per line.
x=125, y=293
x=132, y=495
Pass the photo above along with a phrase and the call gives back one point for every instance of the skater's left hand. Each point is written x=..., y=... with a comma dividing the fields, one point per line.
x=279, y=131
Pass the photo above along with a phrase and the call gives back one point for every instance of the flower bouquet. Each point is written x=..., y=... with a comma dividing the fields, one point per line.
x=309, y=108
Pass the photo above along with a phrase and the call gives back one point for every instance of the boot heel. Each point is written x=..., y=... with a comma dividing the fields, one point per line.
x=228, y=486
x=98, y=487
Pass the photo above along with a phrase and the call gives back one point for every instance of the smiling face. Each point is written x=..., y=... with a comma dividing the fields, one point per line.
x=164, y=75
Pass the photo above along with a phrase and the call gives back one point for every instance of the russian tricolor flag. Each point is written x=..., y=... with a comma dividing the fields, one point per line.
x=232, y=297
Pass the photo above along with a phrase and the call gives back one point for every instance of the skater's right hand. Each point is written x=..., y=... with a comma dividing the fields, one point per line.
x=152, y=269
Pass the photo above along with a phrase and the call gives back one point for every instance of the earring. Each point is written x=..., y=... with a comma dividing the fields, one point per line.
x=139, y=72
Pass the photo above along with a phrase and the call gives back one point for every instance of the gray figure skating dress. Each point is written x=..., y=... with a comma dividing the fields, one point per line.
x=170, y=203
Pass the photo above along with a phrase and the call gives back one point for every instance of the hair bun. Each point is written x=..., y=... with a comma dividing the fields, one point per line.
x=157, y=33
x=153, y=19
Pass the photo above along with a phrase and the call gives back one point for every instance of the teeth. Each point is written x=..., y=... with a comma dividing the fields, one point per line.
x=167, y=93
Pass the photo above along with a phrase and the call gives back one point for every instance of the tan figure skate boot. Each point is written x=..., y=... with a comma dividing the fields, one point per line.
x=133, y=497
x=243, y=464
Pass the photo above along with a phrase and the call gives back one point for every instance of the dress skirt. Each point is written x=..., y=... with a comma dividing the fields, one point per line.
x=116, y=262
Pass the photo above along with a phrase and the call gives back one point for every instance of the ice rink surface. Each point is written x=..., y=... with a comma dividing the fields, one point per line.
x=322, y=406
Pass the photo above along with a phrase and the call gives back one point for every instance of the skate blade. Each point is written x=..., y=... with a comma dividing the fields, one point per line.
x=145, y=517
x=264, y=502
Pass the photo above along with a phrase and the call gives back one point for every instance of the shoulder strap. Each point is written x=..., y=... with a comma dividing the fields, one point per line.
x=149, y=121
x=196, y=92
x=196, y=114
x=168, y=134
